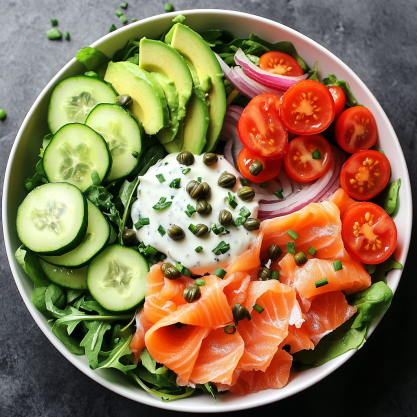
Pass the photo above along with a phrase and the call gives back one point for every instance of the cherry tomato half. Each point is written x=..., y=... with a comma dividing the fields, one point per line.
x=369, y=234
x=280, y=63
x=307, y=108
x=356, y=129
x=365, y=174
x=270, y=167
x=339, y=100
x=307, y=158
x=260, y=127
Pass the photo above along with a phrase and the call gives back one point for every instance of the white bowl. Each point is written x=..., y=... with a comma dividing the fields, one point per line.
x=25, y=149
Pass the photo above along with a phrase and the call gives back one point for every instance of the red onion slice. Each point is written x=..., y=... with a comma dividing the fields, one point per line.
x=276, y=81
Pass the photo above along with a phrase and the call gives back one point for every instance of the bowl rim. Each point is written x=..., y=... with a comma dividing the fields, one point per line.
x=320, y=372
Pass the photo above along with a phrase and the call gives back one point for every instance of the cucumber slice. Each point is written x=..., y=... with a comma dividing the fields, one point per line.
x=74, y=152
x=52, y=220
x=73, y=98
x=117, y=278
x=75, y=279
x=123, y=135
x=96, y=239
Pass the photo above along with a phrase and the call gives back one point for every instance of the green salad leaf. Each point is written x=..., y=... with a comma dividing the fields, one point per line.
x=120, y=351
x=93, y=340
x=57, y=294
x=38, y=179
x=130, y=52
x=93, y=60
x=73, y=295
x=390, y=198
x=148, y=361
x=380, y=271
x=331, y=80
x=30, y=263
x=313, y=73
x=127, y=197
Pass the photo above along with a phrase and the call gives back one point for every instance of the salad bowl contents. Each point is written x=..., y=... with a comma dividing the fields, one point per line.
x=209, y=215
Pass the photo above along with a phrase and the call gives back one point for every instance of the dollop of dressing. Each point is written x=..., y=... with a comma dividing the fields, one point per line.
x=155, y=184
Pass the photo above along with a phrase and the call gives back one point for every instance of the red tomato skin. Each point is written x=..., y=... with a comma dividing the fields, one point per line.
x=246, y=124
x=356, y=160
x=326, y=107
x=325, y=150
x=339, y=100
x=386, y=226
x=346, y=123
x=289, y=62
x=271, y=167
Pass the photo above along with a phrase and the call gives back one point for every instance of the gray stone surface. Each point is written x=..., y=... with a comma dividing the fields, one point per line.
x=377, y=39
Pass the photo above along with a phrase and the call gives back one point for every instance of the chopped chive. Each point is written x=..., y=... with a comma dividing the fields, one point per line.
x=119, y=12
x=230, y=329
x=316, y=154
x=218, y=247
x=244, y=212
x=123, y=19
x=238, y=221
x=274, y=274
x=123, y=5
x=292, y=234
x=225, y=248
x=321, y=283
x=231, y=200
x=162, y=256
x=134, y=20
x=258, y=308
x=175, y=183
x=217, y=230
x=112, y=28
x=135, y=154
x=190, y=210
x=311, y=251
x=183, y=270
x=67, y=36
x=160, y=177
x=220, y=272
x=198, y=249
x=192, y=228
x=279, y=194
x=200, y=282
x=149, y=250
x=186, y=171
x=199, y=179
x=54, y=22
x=161, y=231
x=168, y=7
x=53, y=34
x=291, y=247
x=141, y=222
x=141, y=245
x=166, y=163
x=244, y=181
x=337, y=265
x=162, y=204
x=2, y=114
x=264, y=184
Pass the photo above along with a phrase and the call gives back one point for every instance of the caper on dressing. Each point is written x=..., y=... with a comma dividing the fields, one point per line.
x=198, y=202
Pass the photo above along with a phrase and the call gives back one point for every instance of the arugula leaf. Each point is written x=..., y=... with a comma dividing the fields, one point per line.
x=127, y=198
x=30, y=263
x=212, y=390
x=127, y=52
x=331, y=80
x=313, y=73
x=57, y=294
x=113, y=360
x=391, y=199
x=382, y=269
x=93, y=60
x=72, y=295
x=38, y=179
x=72, y=343
x=212, y=37
x=93, y=340
x=151, y=157
x=148, y=361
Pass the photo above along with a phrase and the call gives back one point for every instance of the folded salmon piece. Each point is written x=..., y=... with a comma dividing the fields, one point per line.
x=235, y=291
x=342, y=200
x=298, y=339
x=268, y=329
x=143, y=324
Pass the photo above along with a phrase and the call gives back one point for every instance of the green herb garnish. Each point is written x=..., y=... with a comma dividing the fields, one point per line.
x=186, y=171
x=53, y=34
x=2, y=114
x=224, y=248
x=67, y=36
x=337, y=265
x=216, y=250
x=291, y=247
x=231, y=200
x=220, y=272
x=142, y=222
x=54, y=22
x=321, y=283
x=123, y=5
x=274, y=274
x=244, y=212
x=279, y=194
x=230, y=329
x=217, y=230
x=183, y=270
x=161, y=178
x=123, y=19
x=311, y=251
x=161, y=231
x=175, y=183
x=150, y=251
x=199, y=179
x=316, y=154
x=258, y=308
x=134, y=20
x=119, y=12
x=135, y=154
x=162, y=204
x=244, y=181
x=168, y=7
x=190, y=210
x=192, y=228
x=292, y=234
x=112, y=28
x=238, y=221
x=200, y=282
x=198, y=249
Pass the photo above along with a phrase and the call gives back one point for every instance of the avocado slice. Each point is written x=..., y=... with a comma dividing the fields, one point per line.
x=168, y=87
x=196, y=51
x=176, y=144
x=196, y=123
x=149, y=103
x=157, y=56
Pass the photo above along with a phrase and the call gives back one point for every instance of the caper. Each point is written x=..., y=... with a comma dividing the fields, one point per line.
x=225, y=217
x=300, y=259
x=175, y=232
x=239, y=313
x=185, y=158
x=165, y=265
x=206, y=190
x=203, y=207
x=227, y=180
x=201, y=230
x=274, y=252
x=195, y=189
x=210, y=158
x=264, y=273
x=128, y=236
x=255, y=168
x=171, y=272
x=191, y=293
x=251, y=224
x=246, y=193
x=125, y=100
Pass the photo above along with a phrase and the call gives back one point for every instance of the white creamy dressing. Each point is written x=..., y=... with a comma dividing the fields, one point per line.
x=150, y=190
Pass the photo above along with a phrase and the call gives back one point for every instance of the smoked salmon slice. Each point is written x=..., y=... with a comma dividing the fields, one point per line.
x=219, y=354
x=236, y=290
x=298, y=339
x=143, y=324
x=268, y=329
x=342, y=200
x=328, y=311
